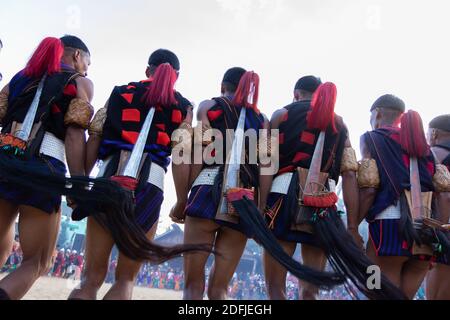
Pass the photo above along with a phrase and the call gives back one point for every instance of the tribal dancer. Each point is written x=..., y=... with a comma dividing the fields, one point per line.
x=315, y=151
x=438, y=279
x=211, y=215
x=133, y=135
x=204, y=223
x=397, y=180
x=56, y=72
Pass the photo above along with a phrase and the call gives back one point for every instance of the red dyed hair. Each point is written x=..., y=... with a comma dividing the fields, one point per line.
x=247, y=92
x=322, y=114
x=161, y=92
x=46, y=58
x=412, y=135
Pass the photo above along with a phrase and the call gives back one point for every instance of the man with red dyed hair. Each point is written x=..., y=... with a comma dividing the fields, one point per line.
x=54, y=85
x=398, y=169
x=205, y=222
x=145, y=115
x=438, y=279
x=296, y=148
x=315, y=151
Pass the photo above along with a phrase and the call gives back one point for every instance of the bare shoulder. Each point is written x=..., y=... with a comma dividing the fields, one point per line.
x=363, y=148
x=204, y=107
x=340, y=125
x=85, y=88
x=5, y=89
x=266, y=121
x=439, y=153
x=339, y=120
x=279, y=113
x=277, y=117
x=84, y=82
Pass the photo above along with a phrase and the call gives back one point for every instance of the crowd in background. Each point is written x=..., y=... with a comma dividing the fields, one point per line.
x=67, y=263
x=244, y=286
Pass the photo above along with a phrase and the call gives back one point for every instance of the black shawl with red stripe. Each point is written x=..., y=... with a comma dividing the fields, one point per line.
x=297, y=143
x=223, y=116
x=59, y=90
x=393, y=164
x=126, y=115
x=346, y=258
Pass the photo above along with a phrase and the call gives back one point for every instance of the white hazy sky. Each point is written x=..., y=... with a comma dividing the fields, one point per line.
x=367, y=48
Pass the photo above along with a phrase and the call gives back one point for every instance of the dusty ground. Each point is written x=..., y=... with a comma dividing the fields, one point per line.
x=59, y=289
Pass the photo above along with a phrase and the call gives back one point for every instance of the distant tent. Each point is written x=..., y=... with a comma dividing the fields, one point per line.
x=174, y=235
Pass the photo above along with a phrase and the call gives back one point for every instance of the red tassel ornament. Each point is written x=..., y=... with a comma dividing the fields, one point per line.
x=326, y=200
x=46, y=58
x=162, y=89
x=322, y=114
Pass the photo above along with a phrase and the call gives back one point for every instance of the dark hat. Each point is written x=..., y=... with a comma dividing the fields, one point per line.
x=234, y=76
x=389, y=101
x=308, y=84
x=161, y=56
x=441, y=123
x=74, y=42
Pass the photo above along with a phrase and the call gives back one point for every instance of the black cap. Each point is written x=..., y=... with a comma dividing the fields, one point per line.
x=441, y=123
x=74, y=42
x=389, y=101
x=161, y=56
x=308, y=84
x=234, y=76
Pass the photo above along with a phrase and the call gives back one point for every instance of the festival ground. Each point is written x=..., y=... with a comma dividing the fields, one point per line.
x=59, y=289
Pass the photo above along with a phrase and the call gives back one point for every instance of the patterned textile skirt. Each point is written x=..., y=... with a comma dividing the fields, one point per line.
x=27, y=197
x=200, y=205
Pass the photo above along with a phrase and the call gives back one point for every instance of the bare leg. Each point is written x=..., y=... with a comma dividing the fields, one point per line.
x=438, y=283
x=275, y=273
x=230, y=245
x=98, y=250
x=413, y=274
x=126, y=273
x=314, y=258
x=197, y=231
x=8, y=215
x=38, y=232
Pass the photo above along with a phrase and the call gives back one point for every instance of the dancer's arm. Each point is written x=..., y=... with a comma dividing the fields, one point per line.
x=442, y=198
x=5, y=90
x=95, y=138
x=181, y=173
x=350, y=192
x=75, y=136
x=443, y=207
x=366, y=195
x=4, y=93
x=265, y=180
x=202, y=121
x=92, y=147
